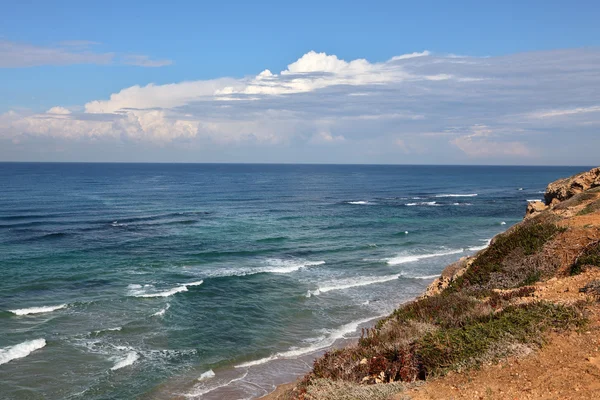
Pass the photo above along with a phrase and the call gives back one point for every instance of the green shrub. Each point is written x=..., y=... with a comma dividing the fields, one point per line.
x=527, y=239
x=590, y=256
x=590, y=208
x=452, y=348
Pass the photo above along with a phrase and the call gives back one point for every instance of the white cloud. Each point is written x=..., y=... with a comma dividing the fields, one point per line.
x=430, y=107
x=564, y=112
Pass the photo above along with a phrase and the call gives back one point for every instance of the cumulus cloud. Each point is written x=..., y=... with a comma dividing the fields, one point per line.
x=426, y=107
x=69, y=52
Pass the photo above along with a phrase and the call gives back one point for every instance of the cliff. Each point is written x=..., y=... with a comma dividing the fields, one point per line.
x=517, y=320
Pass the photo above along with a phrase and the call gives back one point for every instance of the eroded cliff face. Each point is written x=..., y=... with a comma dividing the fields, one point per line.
x=563, y=189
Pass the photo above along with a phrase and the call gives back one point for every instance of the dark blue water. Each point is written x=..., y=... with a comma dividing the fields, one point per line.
x=125, y=280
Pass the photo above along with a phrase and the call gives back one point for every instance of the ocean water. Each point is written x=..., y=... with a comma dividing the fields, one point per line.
x=156, y=281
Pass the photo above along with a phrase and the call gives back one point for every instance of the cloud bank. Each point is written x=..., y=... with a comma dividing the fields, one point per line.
x=537, y=107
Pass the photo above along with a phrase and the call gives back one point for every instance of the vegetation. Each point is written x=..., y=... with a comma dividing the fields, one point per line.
x=589, y=257
x=501, y=264
x=590, y=208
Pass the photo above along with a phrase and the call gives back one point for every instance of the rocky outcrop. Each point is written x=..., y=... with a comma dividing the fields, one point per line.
x=449, y=274
x=534, y=208
x=563, y=189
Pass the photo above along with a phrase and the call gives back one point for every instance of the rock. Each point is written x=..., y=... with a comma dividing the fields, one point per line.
x=363, y=361
x=563, y=189
x=449, y=274
x=534, y=208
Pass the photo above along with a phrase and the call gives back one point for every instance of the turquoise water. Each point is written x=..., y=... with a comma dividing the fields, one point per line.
x=219, y=281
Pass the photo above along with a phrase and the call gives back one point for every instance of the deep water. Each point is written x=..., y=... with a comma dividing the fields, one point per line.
x=137, y=280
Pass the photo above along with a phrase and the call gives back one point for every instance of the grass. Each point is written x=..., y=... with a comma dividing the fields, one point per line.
x=589, y=257
x=453, y=348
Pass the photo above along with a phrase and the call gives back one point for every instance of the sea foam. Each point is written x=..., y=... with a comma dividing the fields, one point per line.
x=20, y=350
x=350, y=283
x=207, y=375
x=416, y=257
x=37, y=310
x=126, y=361
x=141, y=291
x=327, y=341
x=360, y=202
x=456, y=195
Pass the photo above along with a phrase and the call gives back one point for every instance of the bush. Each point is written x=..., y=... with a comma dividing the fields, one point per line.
x=453, y=348
x=525, y=240
x=589, y=257
x=590, y=208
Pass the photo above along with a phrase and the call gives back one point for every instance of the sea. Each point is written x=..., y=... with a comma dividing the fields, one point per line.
x=221, y=281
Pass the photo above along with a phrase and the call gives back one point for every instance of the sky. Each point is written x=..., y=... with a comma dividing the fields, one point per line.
x=378, y=82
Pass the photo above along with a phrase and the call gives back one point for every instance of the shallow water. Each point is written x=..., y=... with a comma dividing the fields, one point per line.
x=137, y=280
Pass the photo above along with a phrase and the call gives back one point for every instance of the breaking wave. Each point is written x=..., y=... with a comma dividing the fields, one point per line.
x=136, y=290
x=37, y=310
x=126, y=361
x=416, y=257
x=20, y=350
x=350, y=283
x=322, y=343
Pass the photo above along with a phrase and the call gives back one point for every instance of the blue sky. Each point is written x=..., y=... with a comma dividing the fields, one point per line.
x=64, y=55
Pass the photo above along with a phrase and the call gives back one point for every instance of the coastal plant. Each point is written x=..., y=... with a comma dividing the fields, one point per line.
x=452, y=348
x=491, y=267
x=590, y=208
x=589, y=257
x=575, y=201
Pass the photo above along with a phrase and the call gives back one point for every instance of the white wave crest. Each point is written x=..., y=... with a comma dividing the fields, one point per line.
x=502, y=223
x=350, y=283
x=533, y=200
x=201, y=389
x=329, y=340
x=477, y=248
x=360, y=202
x=416, y=257
x=162, y=312
x=422, y=276
x=126, y=361
x=456, y=195
x=273, y=266
x=37, y=310
x=423, y=203
x=141, y=291
x=20, y=350
x=207, y=375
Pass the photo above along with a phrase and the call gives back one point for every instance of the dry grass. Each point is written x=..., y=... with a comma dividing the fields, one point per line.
x=324, y=389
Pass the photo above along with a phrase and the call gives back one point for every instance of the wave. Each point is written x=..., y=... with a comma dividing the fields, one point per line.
x=206, y=375
x=20, y=350
x=422, y=276
x=204, y=390
x=502, y=223
x=323, y=343
x=423, y=203
x=456, y=195
x=126, y=361
x=417, y=257
x=350, y=283
x=462, y=204
x=37, y=310
x=162, y=312
x=478, y=248
x=141, y=291
x=359, y=202
x=274, y=266
x=533, y=200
